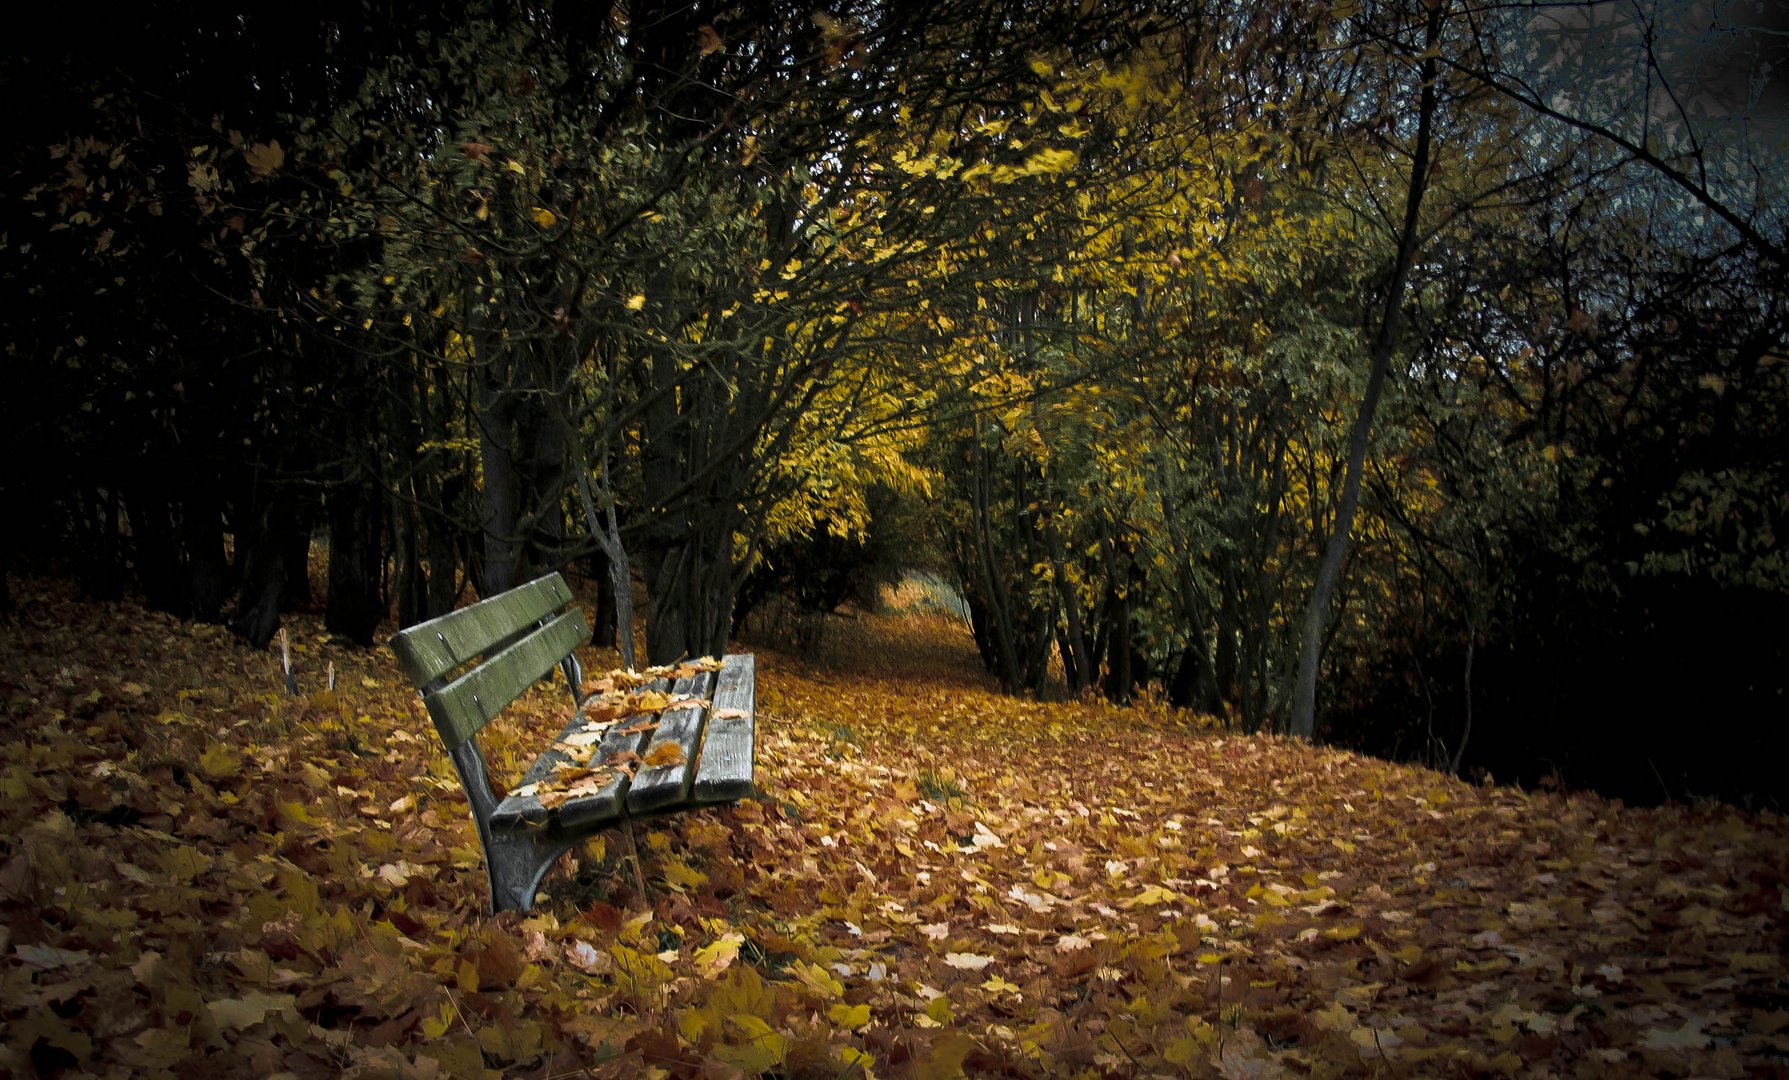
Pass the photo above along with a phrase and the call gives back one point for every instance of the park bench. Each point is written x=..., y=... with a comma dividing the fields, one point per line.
x=470, y=664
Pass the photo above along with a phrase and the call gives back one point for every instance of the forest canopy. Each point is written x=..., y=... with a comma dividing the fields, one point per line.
x=1407, y=374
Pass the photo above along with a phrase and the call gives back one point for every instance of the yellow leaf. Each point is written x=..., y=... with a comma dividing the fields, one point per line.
x=1153, y=895
x=947, y=1057
x=716, y=956
x=636, y=301
x=851, y=1017
x=218, y=761
x=682, y=876
x=545, y=218
x=436, y=1026
x=516, y=167
x=760, y=1048
x=817, y=979
x=967, y=961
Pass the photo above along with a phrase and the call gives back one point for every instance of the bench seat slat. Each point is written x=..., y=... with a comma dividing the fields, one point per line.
x=587, y=812
x=467, y=704
x=724, y=771
x=430, y=650
x=665, y=786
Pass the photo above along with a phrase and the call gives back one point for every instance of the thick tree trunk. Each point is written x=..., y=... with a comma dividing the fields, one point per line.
x=1077, y=663
x=443, y=542
x=208, y=571
x=257, y=614
x=297, y=560
x=355, y=603
x=156, y=554
x=999, y=602
x=413, y=580
x=501, y=495
x=102, y=571
x=1303, y=719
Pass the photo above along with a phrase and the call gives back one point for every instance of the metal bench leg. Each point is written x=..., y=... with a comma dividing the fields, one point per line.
x=514, y=861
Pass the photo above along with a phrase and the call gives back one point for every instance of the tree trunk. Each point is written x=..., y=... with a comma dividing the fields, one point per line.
x=1453, y=766
x=102, y=573
x=257, y=614
x=413, y=581
x=207, y=571
x=502, y=490
x=355, y=604
x=606, y=529
x=998, y=602
x=297, y=560
x=1303, y=720
x=156, y=555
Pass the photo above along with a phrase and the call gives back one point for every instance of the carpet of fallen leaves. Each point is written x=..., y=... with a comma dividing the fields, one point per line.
x=203, y=876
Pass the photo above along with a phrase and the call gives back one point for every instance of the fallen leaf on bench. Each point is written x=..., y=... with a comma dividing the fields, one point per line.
x=651, y=701
x=595, y=782
x=731, y=714
x=640, y=727
x=576, y=753
x=665, y=754
x=604, y=710
x=590, y=736
x=693, y=667
x=687, y=703
x=526, y=790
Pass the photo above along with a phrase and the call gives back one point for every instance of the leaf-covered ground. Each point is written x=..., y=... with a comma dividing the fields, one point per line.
x=200, y=875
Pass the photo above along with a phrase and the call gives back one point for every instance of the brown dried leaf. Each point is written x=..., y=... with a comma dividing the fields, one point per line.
x=664, y=755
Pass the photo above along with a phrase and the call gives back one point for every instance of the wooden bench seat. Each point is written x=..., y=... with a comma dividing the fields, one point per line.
x=471, y=663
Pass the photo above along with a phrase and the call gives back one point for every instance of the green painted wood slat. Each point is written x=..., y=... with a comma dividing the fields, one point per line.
x=430, y=650
x=464, y=706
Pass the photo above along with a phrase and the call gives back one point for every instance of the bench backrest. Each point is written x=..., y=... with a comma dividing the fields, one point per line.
x=470, y=663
